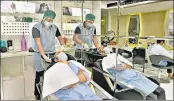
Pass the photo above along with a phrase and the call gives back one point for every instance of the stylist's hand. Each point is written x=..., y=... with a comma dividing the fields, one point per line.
x=126, y=66
x=46, y=58
x=85, y=46
x=100, y=49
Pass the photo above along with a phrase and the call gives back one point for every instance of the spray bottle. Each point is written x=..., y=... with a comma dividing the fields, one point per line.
x=23, y=43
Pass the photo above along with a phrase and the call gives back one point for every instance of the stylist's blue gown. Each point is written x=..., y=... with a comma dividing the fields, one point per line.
x=81, y=91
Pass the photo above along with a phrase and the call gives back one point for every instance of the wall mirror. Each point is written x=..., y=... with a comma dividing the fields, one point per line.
x=134, y=29
x=168, y=28
x=169, y=24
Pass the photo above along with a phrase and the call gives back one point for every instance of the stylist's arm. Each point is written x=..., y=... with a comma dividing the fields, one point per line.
x=61, y=40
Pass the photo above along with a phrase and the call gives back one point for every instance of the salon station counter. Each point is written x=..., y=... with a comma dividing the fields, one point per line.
x=17, y=74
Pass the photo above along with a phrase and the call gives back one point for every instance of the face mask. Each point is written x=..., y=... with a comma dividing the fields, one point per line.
x=62, y=56
x=48, y=24
x=89, y=25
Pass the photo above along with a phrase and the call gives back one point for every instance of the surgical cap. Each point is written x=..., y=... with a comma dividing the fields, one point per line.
x=90, y=17
x=49, y=14
x=62, y=56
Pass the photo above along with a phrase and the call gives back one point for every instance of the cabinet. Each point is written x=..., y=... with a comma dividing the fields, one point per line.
x=17, y=77
x=13, y=88
x=29, y=75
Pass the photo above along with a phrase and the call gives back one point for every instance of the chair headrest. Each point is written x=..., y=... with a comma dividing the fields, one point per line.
x=70, y=57
x=155, y=59
x=92, y=56
x=122, y=51
x=98, y=64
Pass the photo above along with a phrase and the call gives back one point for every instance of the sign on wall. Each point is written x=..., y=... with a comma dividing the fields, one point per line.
x=23, y=7
x=75, y=11
x=41, y=8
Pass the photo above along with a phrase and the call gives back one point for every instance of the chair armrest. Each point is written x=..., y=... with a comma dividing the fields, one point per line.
x=113, y=78
x=121, y=83
x=154, y=80
x=102, y=90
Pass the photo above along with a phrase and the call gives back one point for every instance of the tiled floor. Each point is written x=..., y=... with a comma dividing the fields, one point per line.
x=168, y=87
x=169, y=90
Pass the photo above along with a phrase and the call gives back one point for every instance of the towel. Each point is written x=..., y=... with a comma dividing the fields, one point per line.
x=57, y=77
x=110, y=61
x=60, y=75
x=86, y=72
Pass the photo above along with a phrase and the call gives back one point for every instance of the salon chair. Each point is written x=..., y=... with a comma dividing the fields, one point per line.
x=100, y=79
x=155, y=62
x=139, y=55
x=91, y=56
x=78, y=55
x=123, y=52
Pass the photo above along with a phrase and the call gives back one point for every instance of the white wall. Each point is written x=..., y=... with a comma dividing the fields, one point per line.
x=95, y=7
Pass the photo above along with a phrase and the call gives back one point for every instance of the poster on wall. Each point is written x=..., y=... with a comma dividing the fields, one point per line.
x=23, y=7
x=75, y=11
x=67, y=11
x=41, y=8
x=8, y=6
x=78, y=12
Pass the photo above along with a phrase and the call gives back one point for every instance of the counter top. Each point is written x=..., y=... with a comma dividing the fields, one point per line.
x=24, y=53
x=15, y=54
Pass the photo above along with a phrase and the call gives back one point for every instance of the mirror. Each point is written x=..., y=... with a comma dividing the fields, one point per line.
x=169, y=25
x=134, y=29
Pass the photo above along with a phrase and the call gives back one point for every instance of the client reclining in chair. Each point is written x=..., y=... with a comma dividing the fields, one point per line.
x=79, y=90
x=126, y=74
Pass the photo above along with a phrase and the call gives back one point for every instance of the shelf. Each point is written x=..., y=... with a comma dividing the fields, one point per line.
x=14, y=34
x=15, y=54
x=22, y=14
x=69, y=18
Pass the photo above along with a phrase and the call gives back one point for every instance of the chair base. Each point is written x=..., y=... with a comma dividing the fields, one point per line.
x=161, y=80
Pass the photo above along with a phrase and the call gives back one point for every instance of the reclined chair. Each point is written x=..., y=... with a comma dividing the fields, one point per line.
x=104, y=80
x=155, y=60
x=139, y=57
x=94, y=87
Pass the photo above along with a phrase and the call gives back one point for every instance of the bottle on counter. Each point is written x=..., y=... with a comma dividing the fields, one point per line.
x=23, y=43
x=10, y=45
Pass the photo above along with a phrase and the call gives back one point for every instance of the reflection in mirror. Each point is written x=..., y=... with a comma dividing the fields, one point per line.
x=134, y=29
x=169, y=25
x=103, y=27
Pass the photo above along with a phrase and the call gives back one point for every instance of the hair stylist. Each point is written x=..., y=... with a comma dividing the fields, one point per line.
x=44, y=43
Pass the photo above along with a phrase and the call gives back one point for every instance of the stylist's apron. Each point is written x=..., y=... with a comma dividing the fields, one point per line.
x=48, y=43
x=86, y=36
